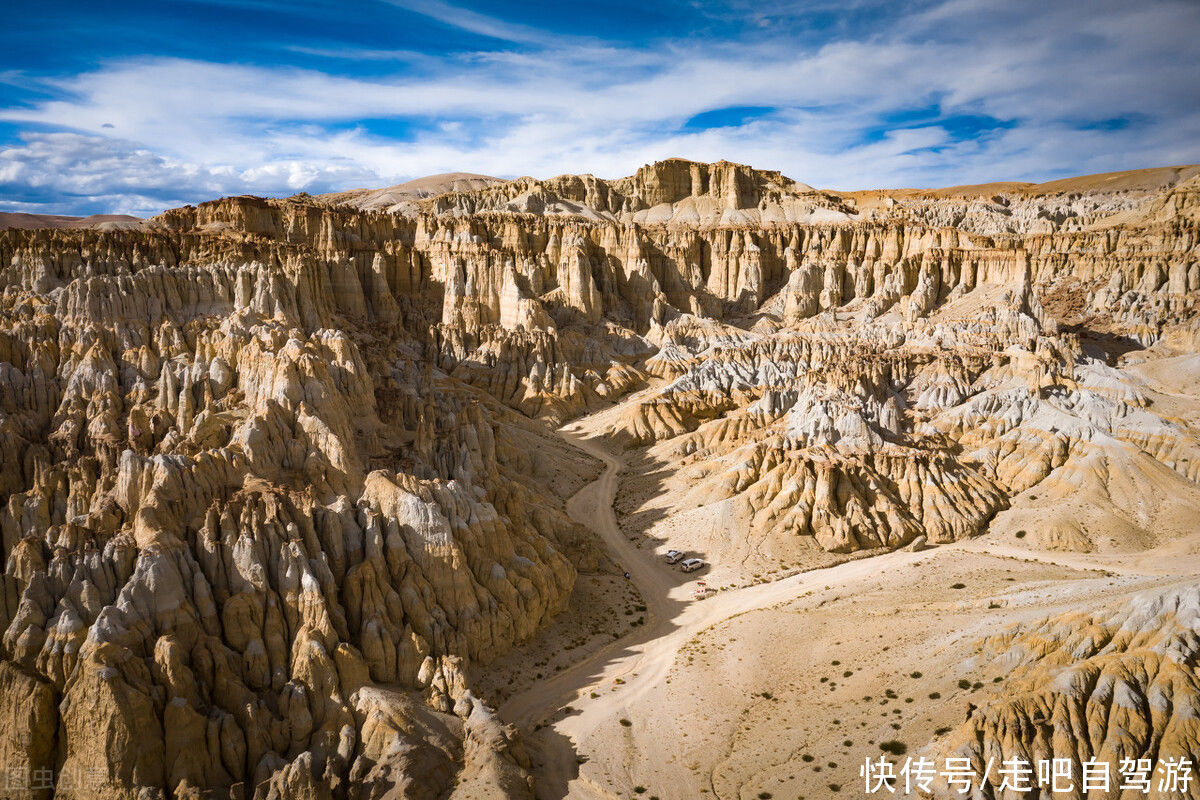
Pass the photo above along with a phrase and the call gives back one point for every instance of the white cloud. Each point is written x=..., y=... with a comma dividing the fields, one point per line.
x=157, y=130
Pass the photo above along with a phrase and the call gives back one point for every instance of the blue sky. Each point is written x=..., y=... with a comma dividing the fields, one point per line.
x=139, y=106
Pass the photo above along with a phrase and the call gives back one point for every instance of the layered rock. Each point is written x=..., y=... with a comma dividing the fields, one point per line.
x=1117, y=686
x=275, y=470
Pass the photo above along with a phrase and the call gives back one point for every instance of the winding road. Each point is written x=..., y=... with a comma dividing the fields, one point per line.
x=642, y=658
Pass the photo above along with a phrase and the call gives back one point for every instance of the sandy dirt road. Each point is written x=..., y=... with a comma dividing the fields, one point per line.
x=561, y=712
x=641, y=659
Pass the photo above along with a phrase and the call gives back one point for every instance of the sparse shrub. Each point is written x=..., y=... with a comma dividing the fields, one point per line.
x=894, y=747
x=958, y=586
x=626, y=722
x=915, y=675
x=935, y=695
x=964, y=684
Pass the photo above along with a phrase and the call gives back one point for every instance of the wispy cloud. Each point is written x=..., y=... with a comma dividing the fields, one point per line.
x=958, y=91
x=465, y=19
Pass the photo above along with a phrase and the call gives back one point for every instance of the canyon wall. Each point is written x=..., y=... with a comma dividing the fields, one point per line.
x=275, y=470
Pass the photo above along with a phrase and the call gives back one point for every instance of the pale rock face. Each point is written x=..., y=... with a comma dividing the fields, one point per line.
x=1107, y=684
x=268, y=488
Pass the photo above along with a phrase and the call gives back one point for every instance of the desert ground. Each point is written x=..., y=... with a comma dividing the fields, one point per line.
x=783, y=687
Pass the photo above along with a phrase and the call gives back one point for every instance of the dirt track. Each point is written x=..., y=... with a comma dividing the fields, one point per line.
x=641, y=659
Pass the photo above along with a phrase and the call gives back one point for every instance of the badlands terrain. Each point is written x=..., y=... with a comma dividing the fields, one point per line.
x=366, y=495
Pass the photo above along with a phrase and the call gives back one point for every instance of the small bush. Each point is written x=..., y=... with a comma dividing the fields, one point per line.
x=894, y=747
x=765, y=796
x=935, y=695
x=639, y=790
x=626, y=722
x=964, y=684
x=915, y=675
x=1020, y=534
x=958, y=586
x=806, y=758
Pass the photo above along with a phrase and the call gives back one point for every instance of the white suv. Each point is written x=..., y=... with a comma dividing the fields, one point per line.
x=691, y=564
x=673, y=556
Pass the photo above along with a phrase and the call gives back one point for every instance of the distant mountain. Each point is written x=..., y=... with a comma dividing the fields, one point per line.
x=13, y=219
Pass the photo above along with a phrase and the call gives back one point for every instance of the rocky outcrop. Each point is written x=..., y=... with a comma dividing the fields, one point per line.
x=239, y=498
x=274, y=471
x=1117, y=686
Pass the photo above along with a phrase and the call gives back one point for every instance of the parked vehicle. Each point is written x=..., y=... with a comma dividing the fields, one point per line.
x=673, y=556
x=691, y=564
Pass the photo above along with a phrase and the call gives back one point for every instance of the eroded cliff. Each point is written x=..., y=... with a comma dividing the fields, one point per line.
x=275, y=470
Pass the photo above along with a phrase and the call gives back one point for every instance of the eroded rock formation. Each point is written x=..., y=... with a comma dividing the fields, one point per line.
x=1117, y=686
x=274, y=470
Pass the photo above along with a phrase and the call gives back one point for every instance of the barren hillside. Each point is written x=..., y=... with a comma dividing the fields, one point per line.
x=365, y=495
